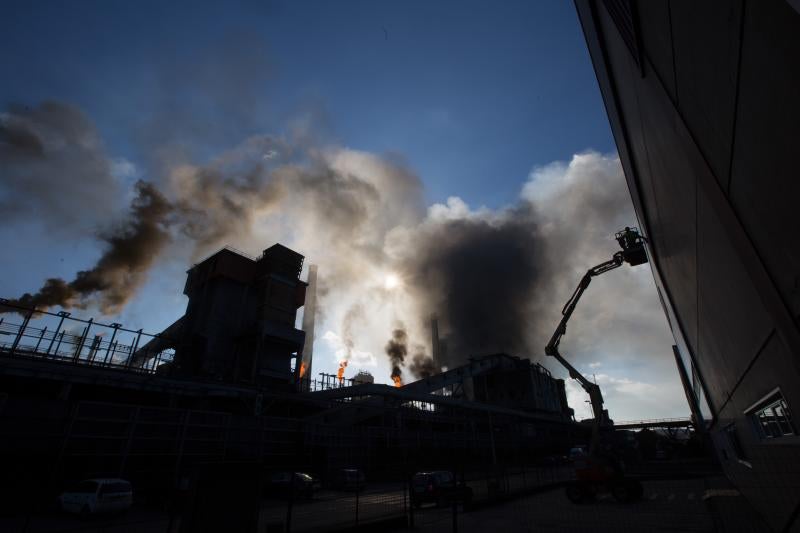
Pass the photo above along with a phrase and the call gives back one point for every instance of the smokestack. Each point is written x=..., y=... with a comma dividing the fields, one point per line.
x=308, y=321
x=435, y=355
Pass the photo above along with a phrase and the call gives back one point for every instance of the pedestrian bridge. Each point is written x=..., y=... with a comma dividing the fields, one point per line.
x=655, y=423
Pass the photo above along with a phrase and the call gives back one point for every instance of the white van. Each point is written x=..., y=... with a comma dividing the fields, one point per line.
x=93, y=496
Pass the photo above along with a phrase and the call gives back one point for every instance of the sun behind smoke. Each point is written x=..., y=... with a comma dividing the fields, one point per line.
x=391, y=282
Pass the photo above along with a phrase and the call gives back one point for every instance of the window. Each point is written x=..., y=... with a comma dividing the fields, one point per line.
x=85, y=487
x=116, y=487
x=771, y=418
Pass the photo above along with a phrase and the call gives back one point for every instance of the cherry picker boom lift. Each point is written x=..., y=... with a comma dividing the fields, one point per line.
x=594, y=474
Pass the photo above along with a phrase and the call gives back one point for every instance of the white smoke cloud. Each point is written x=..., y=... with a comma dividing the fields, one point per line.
x=342, y=352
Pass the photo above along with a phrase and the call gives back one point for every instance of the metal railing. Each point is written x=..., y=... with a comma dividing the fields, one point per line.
x=326, y=382
x=654, y=422
x=60, y=337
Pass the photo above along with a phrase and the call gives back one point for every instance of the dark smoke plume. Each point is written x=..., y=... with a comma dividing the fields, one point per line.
x=479, y=276
x=397, y=349
x=422, y=366
x=497, y=279
x=131, y=250
x=51, y=162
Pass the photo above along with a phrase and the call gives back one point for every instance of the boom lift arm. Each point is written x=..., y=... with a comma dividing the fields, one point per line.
x=633, y=253
x=551, y=349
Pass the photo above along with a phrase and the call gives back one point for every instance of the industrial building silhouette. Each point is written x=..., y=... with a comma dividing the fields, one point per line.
x=221, y=386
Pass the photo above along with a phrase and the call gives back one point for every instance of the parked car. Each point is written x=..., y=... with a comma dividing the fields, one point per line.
x=96, y=496
x=552, y=460
x=438, y=487
x=282, y=485
x=578, y=453
x=348, y=479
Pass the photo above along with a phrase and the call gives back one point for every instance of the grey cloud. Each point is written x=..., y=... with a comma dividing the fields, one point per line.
x=53, y=168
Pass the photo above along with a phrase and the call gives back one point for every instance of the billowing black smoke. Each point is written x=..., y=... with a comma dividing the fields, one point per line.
x=422, y=366
x=396, y=350
x=497, y=278
x=130, y=251
x=479, y=275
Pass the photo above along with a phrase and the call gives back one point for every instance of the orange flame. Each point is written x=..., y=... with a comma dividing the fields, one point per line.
x=340, y=373
x=398, y=381
x=302, y=369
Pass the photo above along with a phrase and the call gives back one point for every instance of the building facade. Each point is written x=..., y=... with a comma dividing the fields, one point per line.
x=703, y=104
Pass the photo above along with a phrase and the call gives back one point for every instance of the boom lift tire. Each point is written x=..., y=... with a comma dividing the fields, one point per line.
x=579, y=492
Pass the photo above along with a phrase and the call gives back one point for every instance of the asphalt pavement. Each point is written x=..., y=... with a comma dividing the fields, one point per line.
x=667, y=506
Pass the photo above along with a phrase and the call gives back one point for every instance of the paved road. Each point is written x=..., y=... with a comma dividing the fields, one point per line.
x=137, y=520
x=331, y=509
x=667, y=506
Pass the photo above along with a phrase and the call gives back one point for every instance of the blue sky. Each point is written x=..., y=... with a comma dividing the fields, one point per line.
x=472, y=94
x=469, y=95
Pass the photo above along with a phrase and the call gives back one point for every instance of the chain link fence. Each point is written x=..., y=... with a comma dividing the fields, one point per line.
x=191, y=468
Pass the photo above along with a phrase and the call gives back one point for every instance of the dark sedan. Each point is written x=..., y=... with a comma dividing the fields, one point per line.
x=296, y=485
x=438, y=487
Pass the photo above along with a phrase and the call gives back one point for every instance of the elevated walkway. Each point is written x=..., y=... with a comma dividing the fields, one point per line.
x=665, y=423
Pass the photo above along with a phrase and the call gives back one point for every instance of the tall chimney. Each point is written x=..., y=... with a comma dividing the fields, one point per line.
x=435, y=347
x=308, y=318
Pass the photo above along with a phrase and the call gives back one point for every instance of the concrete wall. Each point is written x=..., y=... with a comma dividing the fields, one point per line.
x=705, y=111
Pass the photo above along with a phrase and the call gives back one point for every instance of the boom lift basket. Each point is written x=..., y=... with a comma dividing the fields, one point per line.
x=632, y=244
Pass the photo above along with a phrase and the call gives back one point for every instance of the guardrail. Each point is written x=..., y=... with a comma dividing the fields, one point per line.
x=654, y=422
x=60, y=337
